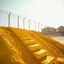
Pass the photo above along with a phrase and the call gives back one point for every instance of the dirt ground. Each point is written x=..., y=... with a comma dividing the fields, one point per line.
x=58, y=38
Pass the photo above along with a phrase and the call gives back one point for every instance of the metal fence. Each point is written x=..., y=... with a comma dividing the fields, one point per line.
x=13, y=20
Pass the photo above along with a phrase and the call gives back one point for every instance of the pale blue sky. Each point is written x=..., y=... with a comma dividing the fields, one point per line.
x=48, y=12
x=17, y=6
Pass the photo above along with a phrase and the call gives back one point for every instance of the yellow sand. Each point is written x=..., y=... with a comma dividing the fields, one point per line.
x=17, y=46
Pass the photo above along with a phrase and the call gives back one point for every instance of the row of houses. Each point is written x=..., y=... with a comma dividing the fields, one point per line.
x=53, y=31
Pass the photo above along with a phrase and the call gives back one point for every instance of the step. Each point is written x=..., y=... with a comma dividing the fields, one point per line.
x=16, y=30
x=21, y=34
x=34, y=47
x=28, y=42
x=61, y=60
x=40, y=53
x=23, y=39
x=48, y=60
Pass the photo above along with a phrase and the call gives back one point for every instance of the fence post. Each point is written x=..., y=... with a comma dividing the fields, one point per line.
x=18, y=20
x=35, y=26
x=38, y=26
x=9, y=19
x=29, y=24
x=24, y=22
x=41, y=27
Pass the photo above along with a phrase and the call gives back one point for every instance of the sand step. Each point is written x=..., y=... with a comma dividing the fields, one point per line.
x=60, y=60
x=40, y=53
x=28, y=42
x=16, y=30
x=34, y=47
x=21, y=35
x=24, y=37
x=48, y=60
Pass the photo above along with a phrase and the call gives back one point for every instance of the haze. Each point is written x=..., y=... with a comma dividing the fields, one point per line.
x=47, y=12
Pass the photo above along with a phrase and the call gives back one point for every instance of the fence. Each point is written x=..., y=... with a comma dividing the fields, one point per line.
x=11, y=19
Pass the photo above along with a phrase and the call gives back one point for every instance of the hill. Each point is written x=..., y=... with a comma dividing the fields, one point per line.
x=19, y=46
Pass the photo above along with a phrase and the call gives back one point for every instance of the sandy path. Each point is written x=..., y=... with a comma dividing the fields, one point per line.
x=58, y=38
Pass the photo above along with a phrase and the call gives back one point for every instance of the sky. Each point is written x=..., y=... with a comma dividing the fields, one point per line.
x=47, y=12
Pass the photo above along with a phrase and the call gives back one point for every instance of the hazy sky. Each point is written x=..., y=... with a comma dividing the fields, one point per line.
x=48, y=12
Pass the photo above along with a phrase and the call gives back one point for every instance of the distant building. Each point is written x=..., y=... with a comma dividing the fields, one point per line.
x=49, y=31
x=61, y=30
